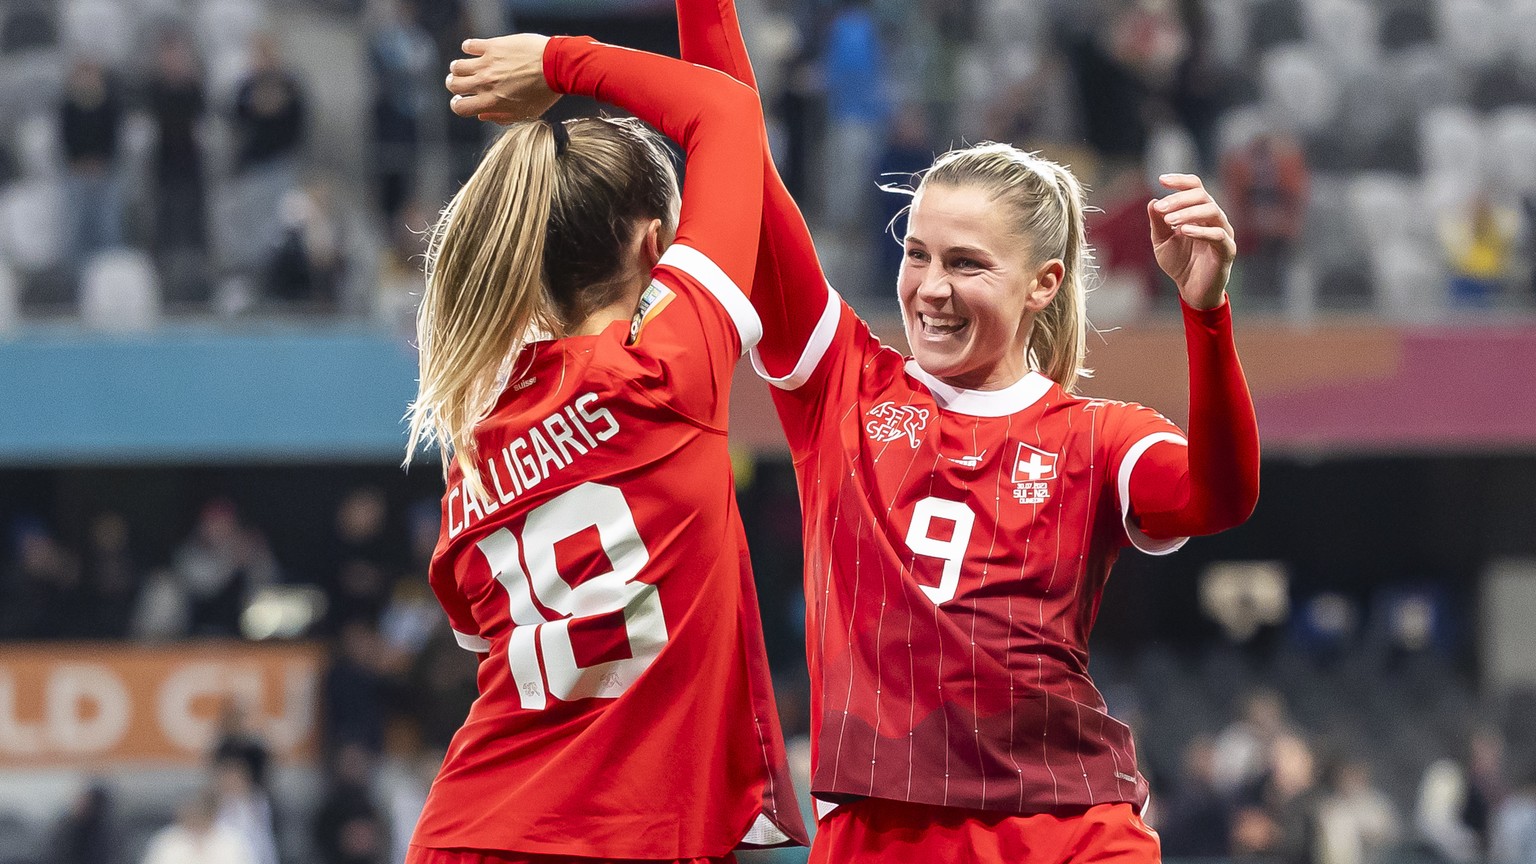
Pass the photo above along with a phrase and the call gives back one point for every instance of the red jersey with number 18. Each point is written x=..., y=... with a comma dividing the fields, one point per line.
x=957, y=542
x=625, y=707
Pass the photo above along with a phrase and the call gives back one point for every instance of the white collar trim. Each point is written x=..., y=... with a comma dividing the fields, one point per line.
x=984, y=403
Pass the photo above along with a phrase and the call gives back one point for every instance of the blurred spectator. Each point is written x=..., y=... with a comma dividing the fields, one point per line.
x=91, y=121
x=1199, y=91
x=197, y=837
x=359, y=565
x=355, y=689
x=1195, y=821
x=403, y=60
x=269, y=109
x=1292, y=797
x=1118, y=65
x=907, y=152
x=177, y=106
x=1487, y=783
x=854, y=63
x=87, y=834
x=238, y=741
x=1356, y=823
x=42, y=591
x=1479, y=239
x=307, y=268
x=1438, y=822
x=1266, y=185
x=164, y=610
x=244, y=809
x=1243, y=751
x=111, y=577
x=219, y=566
x=1512, y=836
x=1117, y=226
x=443, y=685
x=349, y=828
x=406, y=783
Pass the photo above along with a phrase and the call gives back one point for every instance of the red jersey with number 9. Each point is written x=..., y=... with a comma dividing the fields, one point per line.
x=957, y=542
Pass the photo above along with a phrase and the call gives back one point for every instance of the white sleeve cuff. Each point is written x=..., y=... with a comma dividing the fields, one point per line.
x=815, y=348
x=1127, y=465
x=472, y=643
x=730, y=296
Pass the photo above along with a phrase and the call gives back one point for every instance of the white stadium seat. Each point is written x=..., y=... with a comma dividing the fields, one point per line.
x=1349, y=30
x=1511, y=150
x=1473, y=32
x=1299, y=85
x=99, y=29
x=32, y=224
x=10, y=299
x=1385, y=208
x=1451, y=143
x=120, y=292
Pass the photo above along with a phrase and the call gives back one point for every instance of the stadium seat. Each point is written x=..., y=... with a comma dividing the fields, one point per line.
x=39, y=152
x=1422, y=79
x=32, y=224
x=1473, y=32
x=227, y=26
x=1451, y=144
x=120, y=292
x=1511, y=154
x=100, y=29
x=1384, y=206
x=10, y=299
x=1522, y=24
x=1348, y=30
x=1299, y=85
x=1410, y=280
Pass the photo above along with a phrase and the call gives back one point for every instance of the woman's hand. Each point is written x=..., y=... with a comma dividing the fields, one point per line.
x=502, y=80
x=1193, y=240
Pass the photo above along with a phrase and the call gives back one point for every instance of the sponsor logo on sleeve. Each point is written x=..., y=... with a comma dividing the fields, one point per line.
x=654, y=299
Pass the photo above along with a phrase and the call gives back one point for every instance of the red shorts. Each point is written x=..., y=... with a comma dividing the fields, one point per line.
x=423, y=855
x=877, y=830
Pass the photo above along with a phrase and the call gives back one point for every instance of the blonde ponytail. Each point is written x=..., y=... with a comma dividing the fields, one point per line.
x=1045, y=202
x=485, y=292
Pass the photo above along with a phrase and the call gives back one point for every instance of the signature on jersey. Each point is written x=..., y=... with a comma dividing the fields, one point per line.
x=893, y=422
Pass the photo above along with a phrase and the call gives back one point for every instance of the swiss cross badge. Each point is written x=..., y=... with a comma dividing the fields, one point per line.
x=1033, y=469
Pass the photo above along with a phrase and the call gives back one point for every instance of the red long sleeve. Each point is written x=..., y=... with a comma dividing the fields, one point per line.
x=714, y=118
x=1213, y=484
x=790, y=290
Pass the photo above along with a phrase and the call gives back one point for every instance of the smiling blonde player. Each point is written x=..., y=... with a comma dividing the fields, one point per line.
x=963, y=506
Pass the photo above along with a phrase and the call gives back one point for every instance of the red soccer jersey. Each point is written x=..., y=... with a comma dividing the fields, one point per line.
x=625, y=706
x=957, y=542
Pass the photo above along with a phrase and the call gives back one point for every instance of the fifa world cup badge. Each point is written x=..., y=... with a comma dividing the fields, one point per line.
x=1033, y=469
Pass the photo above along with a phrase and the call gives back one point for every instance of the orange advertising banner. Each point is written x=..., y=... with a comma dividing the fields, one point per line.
x=95, y=705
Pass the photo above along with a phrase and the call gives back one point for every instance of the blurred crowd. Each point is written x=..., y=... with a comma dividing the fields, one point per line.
x=218, y=156
x=1284, y=741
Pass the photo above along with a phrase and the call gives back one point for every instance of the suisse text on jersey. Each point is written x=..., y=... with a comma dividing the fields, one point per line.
x=530, y=458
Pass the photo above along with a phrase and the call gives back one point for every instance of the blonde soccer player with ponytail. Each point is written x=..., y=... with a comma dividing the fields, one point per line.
x=963, y=505
x=577, y=336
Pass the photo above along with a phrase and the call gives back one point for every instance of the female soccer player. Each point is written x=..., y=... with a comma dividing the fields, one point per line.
x=575, y=368
x=963, y=507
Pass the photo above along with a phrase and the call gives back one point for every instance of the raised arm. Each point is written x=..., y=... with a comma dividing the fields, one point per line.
x=714, y=118
x=791, y=294
x=1213, y=484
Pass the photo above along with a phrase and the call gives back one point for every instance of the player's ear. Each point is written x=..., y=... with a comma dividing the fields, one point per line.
x=653, y=242
x=1045, y=284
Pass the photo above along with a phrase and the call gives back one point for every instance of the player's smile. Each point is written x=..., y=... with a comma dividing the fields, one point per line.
x=964, y=287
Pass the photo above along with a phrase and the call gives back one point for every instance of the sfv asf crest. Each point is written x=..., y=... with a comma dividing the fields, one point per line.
x=892, y=422
x=1033, y=469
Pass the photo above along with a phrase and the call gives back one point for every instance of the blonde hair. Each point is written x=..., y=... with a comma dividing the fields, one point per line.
x=1045, y=202
x=535, y=241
